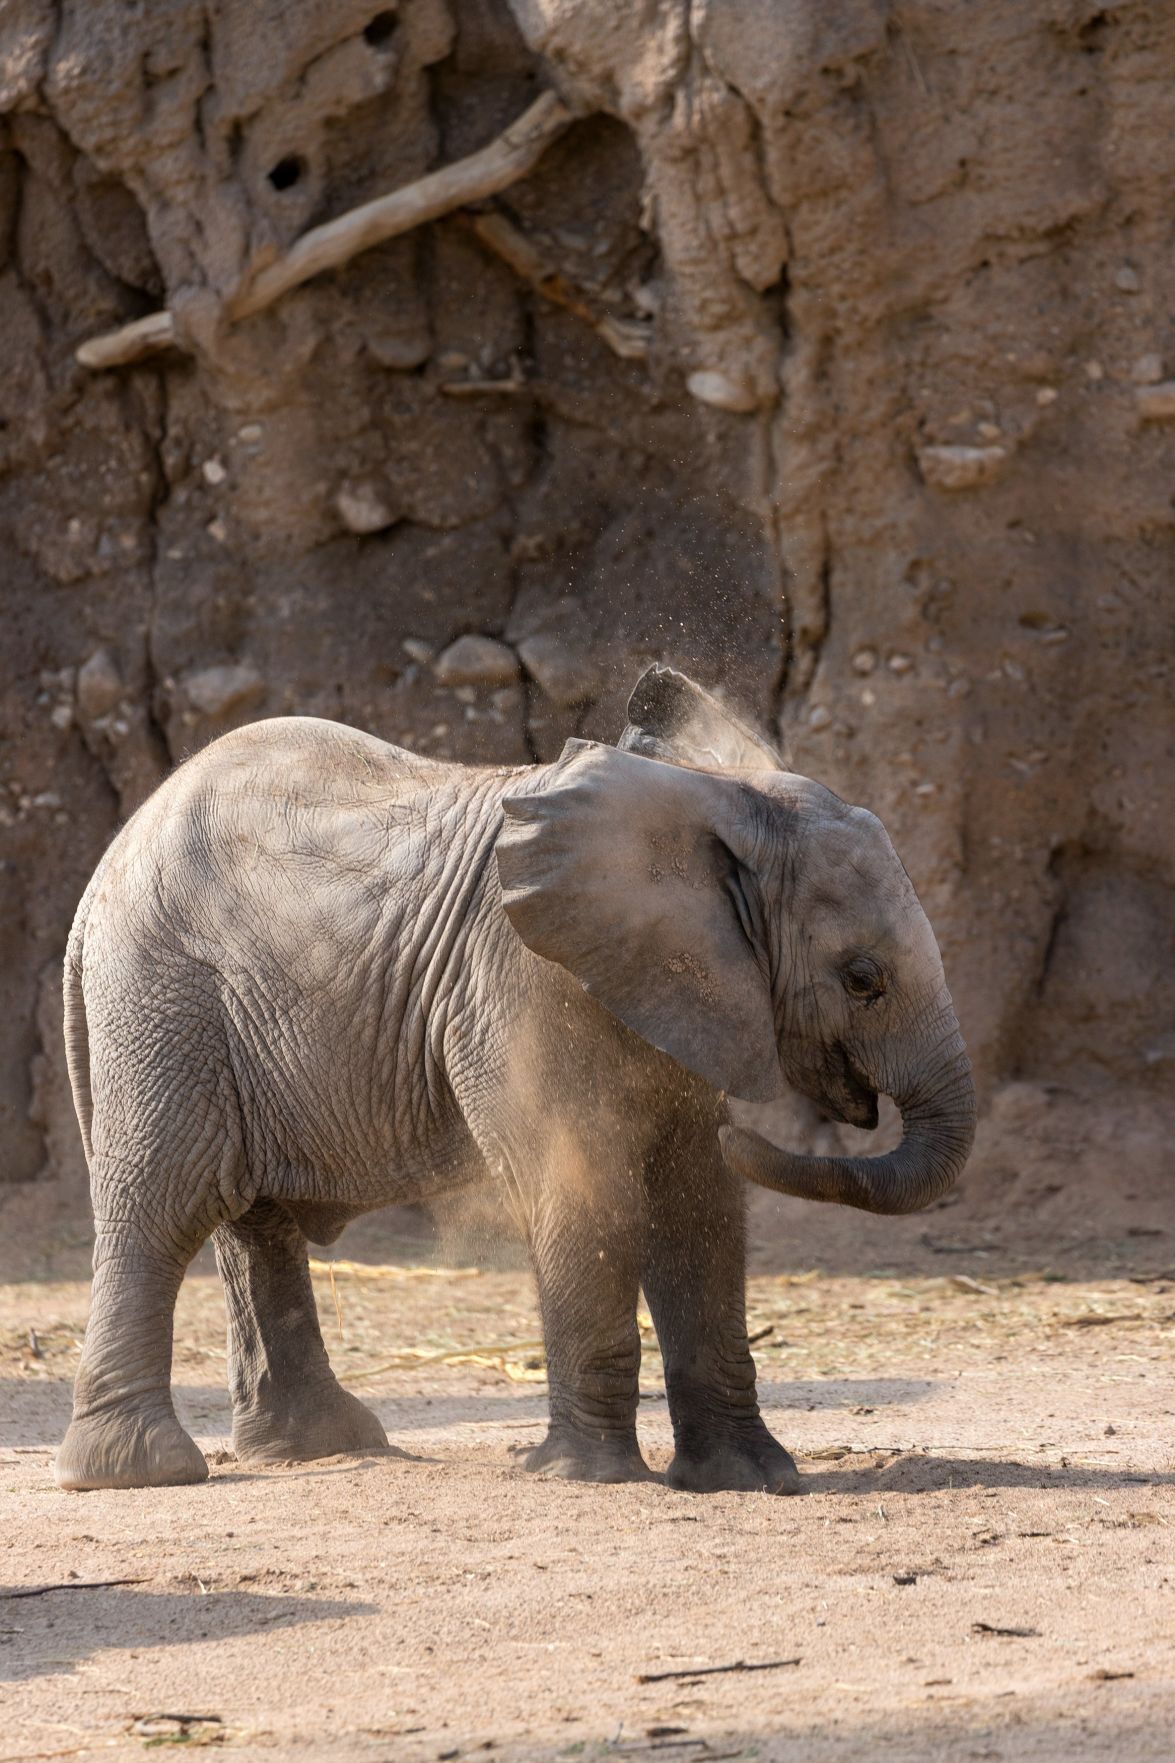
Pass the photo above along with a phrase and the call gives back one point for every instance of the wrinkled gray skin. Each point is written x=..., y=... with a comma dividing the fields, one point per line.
x=316, y=974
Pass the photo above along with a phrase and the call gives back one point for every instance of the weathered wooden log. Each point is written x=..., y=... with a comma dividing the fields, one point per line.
x=495, y=167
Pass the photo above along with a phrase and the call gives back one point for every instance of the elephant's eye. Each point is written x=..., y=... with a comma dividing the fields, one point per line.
x=862, y=978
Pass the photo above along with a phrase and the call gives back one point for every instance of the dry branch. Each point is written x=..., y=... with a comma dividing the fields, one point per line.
x=716, y=1670
x=506, y=159
x=628, y=338
x=146, y=336
x=484, y=388
x=482, y=174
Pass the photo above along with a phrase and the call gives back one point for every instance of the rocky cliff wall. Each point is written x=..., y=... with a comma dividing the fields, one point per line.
x=829, y=353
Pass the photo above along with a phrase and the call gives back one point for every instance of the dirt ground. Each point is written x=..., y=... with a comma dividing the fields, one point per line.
x=982, y=1565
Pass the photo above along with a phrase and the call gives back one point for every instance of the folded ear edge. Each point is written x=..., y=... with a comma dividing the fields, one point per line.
x=671, y=717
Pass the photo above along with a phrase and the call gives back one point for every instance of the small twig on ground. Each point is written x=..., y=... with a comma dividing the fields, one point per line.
x=965, y=1283
x=176, y=1729
x=715, y=1670
x=938, y=1247
x=656, y=1744
x=994, y=1628
x=179, y=1719
x=760, y=1334
x=1097, y=1321
x=72, y=1585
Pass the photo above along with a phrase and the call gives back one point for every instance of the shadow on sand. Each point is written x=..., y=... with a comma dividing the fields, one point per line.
x=56, y=1631
x=917, y=1473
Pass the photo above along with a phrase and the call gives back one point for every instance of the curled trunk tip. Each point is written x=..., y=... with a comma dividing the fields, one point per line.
x=936, y=1142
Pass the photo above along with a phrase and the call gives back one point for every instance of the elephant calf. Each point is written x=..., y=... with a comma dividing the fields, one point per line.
x=316, y=974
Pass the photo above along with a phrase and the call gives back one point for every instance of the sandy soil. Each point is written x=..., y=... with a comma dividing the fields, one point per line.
x=982, y=1566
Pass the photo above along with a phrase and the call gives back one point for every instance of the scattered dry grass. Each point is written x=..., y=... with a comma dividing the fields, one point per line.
x=381, y=1319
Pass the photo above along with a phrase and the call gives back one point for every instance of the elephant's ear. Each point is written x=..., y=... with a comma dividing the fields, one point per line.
x=669, y=717
x=626, y=872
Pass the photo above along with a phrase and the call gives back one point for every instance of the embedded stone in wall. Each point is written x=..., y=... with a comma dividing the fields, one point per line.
x=99, y=686
x=1156, y=403
x=961, y=468
x=219, y=691
x=476, y=661
x=362, y=509
x=567, y=676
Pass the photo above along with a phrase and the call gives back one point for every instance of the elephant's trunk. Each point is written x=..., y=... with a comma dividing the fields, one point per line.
x=938, y=1122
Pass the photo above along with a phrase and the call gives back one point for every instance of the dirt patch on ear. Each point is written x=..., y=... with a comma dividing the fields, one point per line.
x=683, y=962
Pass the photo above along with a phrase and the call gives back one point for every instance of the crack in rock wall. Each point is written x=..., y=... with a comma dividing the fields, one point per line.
x=896, y=473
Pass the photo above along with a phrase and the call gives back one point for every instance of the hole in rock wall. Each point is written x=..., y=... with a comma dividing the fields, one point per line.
x=381, y=29
x=287, y=172
x=1093, y=32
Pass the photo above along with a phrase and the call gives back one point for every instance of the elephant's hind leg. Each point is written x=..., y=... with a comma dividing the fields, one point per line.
x=288, y=1405
x=124, y=1433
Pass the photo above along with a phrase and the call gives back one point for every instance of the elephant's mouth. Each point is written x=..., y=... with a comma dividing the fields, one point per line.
x=842, y=1092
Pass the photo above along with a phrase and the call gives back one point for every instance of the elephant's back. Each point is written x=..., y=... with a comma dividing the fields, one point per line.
x=287, y=785
x=295, y=839
x=302, y=761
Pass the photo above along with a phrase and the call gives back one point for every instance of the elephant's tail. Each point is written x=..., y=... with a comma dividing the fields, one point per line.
x=77, y=1034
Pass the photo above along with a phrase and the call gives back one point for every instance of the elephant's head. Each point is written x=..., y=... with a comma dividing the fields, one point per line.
x=754, y=927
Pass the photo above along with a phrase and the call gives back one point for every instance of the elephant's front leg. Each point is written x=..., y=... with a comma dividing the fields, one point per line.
x=587, y=1265
x=287, y=1403
x=694, y=1279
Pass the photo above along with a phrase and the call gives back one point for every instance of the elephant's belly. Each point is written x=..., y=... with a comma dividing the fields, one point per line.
x=319, y=1221
x=367, y=1171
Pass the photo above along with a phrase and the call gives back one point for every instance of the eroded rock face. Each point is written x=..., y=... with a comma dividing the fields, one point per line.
x=892, y=474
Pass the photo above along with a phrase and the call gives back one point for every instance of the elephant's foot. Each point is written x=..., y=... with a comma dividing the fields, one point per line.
x=124, y=1448
x=751, y=1463
x=322, y=1420
x=569, y=1456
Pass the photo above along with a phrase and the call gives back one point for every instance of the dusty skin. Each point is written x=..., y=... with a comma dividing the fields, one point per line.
x=986, y=1436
